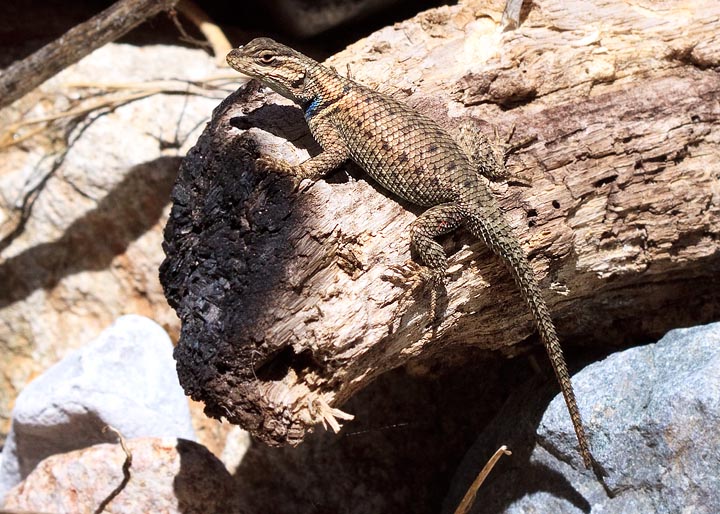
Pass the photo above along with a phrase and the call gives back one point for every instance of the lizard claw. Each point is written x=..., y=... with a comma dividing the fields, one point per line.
x=271, y=164
x=268, y=164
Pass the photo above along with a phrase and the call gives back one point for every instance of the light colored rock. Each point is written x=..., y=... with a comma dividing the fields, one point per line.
x=653, y=414
x=125, y=378
x=92, y=243
x=237, y=443
x=167, y=476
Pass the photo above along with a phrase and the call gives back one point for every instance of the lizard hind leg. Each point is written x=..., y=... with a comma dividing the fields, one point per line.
x=413, y=278
x=436, y=221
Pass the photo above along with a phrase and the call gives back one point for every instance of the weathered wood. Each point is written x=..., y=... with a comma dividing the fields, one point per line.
x=284, y=304
x=117, y=20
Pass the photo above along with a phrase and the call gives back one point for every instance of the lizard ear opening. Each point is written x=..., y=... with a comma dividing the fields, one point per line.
x=300, y=82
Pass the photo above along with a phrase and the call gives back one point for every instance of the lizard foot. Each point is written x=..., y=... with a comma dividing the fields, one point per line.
x=503, y=148
x=271, y=164
x=268, y=164
x=413, y=277
x=489, y=155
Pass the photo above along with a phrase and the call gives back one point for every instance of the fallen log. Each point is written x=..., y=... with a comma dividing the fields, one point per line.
x=285, y=301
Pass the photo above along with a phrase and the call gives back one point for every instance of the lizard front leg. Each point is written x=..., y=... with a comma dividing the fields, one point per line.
x=334, y=153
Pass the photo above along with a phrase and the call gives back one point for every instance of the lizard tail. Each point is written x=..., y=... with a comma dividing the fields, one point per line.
x=498, y=236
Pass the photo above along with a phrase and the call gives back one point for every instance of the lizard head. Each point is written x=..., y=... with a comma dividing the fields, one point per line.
x=277, y=66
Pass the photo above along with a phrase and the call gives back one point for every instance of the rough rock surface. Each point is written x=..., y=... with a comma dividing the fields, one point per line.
x=653, y=413
x=398, y=462
x=167, y=476
x=83, y=200
x=125, y=378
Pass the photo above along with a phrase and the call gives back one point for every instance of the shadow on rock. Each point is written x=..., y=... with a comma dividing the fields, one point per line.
x=515, y=476
x=91, y=242
x=400, y=453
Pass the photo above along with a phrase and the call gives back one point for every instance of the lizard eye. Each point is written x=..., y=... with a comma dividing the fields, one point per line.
x=266, y=57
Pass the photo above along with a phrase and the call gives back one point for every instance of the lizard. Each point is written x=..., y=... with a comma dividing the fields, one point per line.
x=410, y=155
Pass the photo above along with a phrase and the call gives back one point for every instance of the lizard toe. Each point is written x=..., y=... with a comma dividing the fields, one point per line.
x=414, y=277
x=271, y=164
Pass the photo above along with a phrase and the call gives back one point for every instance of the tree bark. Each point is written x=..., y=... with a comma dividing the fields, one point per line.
x=286, y=306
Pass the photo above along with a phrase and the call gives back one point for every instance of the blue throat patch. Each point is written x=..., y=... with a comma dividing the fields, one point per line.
x=312, y=108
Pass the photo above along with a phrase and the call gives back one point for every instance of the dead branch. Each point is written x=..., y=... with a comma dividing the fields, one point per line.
x=115, y=21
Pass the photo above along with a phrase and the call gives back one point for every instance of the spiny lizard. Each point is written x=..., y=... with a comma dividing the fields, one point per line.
x=413, y=157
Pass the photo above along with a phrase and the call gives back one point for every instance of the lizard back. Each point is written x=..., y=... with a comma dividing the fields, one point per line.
x=403, y=150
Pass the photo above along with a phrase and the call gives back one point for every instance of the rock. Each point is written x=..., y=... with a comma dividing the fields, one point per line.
x=166, y=476
x=125, y=378
x=237, y=444
x=653, y=414
x=86, y=249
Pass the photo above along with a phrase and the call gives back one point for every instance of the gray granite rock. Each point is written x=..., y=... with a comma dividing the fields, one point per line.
x=125, y=378
x=653, y=413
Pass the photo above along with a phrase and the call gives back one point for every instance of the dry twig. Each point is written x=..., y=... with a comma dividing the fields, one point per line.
x=469, y=497
x=125, y=469
x=212, y=32
x=115, y=21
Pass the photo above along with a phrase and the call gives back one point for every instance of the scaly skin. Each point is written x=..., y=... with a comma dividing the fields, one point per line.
x=410, y=155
